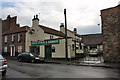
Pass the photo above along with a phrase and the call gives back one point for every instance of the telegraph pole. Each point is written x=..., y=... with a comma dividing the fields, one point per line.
x=66, y=47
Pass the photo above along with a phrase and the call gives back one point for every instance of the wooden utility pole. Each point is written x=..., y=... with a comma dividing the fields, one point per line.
x=66, y=47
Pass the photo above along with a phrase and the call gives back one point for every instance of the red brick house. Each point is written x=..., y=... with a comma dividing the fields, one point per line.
x=13, y=37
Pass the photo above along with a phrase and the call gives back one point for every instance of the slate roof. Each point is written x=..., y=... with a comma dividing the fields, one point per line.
x=92, y=39
x=74, y=33
x=52, y=31
x=17, y=30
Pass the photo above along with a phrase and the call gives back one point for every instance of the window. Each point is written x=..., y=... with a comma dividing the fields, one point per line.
x=19, y=49
x=13, y=38
x=5, y=49
x=51, y=37
x=77, y=46
x=72, y=47
x=35, y=49
x=19, y=37
x=80, y=45
x=5, y=39
x=53, y=49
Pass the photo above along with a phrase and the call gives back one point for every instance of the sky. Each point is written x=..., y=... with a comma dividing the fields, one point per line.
x=81, y=14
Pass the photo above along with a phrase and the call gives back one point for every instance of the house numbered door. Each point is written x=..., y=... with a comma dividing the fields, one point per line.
x=48, y=52
x=12, y=52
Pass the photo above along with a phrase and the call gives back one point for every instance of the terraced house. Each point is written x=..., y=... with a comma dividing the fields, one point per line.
x=50, y=43
x=13, y=36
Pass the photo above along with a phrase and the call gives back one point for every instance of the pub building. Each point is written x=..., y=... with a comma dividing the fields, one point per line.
x=50, y=43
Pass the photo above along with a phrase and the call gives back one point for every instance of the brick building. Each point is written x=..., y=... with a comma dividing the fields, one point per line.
x=13, y=36
x=111, y=33
x=0, y=35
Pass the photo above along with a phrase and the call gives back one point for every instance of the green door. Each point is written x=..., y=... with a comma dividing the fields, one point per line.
x=48, y=52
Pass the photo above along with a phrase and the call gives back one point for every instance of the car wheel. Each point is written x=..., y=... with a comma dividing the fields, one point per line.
x=32, y=60
x=19, y=59
x=3, y=73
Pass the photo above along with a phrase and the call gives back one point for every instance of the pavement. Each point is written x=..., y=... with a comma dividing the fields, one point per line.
x=79, y=62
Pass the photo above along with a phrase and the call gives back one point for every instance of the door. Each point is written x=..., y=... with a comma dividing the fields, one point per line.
x=12, y=51
x=48, y=52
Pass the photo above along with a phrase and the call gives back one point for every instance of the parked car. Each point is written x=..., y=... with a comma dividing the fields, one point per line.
x=93, y=52
x=30, y=57
x=3, y=65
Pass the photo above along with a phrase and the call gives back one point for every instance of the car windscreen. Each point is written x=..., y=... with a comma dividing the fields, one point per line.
x=1, y=57
x=35, y=54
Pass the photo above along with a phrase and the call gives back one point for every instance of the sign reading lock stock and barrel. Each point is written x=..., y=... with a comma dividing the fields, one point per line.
x=45, y=42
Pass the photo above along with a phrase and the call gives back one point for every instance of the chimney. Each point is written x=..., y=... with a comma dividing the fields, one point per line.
x=62, y=29
x=75, y=30
x=61, y=24
x=8, y=17
x=35, y=20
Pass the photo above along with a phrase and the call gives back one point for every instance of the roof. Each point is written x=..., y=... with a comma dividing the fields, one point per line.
x=17, y=30
x=59, y=38
x=110, y=8
x=52, y=31
x=74, y=33
x=92, y=39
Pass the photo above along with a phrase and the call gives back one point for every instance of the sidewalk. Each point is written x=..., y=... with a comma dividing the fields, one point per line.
x=78, y=63
x=91, y=64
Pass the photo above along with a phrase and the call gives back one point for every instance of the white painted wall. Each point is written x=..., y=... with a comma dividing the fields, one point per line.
x=37, y=35
x=74, y=37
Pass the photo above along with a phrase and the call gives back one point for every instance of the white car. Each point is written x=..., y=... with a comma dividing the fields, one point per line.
x=3, y=65
x=93, y=52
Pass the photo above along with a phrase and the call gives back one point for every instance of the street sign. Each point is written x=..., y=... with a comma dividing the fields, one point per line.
x=45, y=42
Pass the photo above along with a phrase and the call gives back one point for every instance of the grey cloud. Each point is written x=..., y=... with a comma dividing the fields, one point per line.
x=89, y=29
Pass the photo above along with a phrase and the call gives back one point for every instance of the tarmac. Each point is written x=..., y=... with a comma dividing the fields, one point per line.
x=79, y=63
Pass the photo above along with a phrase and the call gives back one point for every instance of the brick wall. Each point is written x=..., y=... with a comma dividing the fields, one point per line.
x=9, y=23
x=9, y=28
x=111, y=33
x=0, y=35
x=15, y=43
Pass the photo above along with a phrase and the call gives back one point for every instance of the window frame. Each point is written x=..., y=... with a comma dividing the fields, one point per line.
x=20, y=49
x=51, y=36
x=13, y=37
x=19, y=37
x=6, y=38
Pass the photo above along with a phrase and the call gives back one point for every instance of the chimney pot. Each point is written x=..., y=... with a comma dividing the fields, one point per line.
x=8, y=17
x=61, y=24
x=75, y=30
x=36, y=16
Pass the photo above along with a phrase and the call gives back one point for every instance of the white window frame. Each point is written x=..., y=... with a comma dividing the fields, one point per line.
x=51, y=36
x=19, y=37
x=13, y=37
x=19, y=49
x=5, y=38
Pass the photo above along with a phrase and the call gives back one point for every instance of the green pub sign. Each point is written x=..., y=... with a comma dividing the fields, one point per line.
x=45, y=42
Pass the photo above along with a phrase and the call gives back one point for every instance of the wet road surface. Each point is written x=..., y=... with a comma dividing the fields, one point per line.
x=48, y=70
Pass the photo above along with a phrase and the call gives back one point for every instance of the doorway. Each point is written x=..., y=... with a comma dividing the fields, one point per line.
x=12, y=52
x=48, y=52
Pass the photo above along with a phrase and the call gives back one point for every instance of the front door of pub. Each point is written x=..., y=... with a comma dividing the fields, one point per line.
x=48, y=52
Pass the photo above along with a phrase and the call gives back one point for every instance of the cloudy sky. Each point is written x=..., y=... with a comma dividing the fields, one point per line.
x=81, y=14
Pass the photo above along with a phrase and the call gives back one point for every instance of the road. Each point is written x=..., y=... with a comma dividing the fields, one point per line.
x=48, y=70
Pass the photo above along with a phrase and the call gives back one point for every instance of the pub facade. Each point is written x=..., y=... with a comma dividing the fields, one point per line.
x=50, y=43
